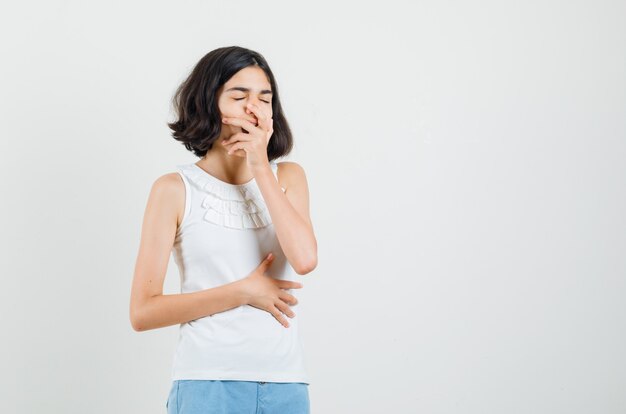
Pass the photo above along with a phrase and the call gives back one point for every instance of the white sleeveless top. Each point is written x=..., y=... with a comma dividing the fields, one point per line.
x=225, y=233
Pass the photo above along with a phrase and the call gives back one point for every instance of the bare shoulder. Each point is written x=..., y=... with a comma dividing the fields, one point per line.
x=168, y=195
x=291, y=173
x=292, y=178
x=169, y=182
x=168, y=185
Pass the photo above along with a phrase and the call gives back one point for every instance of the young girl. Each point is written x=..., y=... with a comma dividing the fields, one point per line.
x=239, y=227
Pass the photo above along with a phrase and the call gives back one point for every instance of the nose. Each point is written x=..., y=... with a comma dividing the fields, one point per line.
x=250, y=112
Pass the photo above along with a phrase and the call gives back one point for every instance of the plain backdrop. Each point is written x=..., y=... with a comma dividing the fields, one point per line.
x=467, y=175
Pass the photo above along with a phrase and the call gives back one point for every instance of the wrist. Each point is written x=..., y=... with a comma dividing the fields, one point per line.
x=241, y=291
x=261, y=169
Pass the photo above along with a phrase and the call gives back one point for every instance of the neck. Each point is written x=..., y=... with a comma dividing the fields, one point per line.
x=229, y=168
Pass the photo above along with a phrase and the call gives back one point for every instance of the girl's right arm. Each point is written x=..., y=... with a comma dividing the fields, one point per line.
x=149, y=308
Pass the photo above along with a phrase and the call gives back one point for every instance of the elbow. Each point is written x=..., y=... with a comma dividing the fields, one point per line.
x=308, y=262
x=306, y=266
x=136, y=321
x=140, y=315
x=136, y=324
x=137, y=327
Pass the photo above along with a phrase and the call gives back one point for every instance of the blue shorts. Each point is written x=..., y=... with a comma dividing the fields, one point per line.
x=237, y=397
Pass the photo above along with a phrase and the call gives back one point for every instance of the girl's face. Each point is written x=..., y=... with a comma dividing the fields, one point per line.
x=248, y=85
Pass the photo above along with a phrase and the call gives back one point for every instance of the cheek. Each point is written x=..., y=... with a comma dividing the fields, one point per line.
x=227, y=107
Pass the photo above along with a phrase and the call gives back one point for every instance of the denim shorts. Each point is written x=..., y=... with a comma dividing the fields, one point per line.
x=237, y=397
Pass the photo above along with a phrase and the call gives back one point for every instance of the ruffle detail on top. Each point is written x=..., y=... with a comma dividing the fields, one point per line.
x=237, y=206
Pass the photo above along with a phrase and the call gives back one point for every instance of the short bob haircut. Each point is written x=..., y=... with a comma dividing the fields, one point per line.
x=195, y=102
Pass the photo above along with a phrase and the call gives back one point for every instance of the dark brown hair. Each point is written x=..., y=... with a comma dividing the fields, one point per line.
x=195, y=102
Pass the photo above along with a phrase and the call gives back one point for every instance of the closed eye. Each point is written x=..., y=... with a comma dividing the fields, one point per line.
x=239, y=99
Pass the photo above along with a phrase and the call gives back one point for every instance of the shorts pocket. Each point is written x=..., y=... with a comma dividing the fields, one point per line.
x=171, y=405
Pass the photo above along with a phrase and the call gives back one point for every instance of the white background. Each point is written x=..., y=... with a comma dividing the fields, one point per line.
x=466, y=164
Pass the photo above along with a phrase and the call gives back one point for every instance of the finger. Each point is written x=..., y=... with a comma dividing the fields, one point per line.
x=260, y=113
x=236, y=146
x=236, y=152
x=239, y=136
x=288, y=284
x=285, y=309
x=252, y=119
x=244, y=123
x=267, y=261
x=288, y=299
x=270, y=132
x=279, y=316
x=265, y=121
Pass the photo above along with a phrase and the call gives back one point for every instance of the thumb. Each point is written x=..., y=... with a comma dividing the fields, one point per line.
x=267, y=261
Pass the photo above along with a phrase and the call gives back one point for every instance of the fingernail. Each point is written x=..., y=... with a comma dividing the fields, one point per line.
x=224, y=120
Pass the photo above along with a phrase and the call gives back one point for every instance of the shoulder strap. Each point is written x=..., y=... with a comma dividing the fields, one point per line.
x=274, y=166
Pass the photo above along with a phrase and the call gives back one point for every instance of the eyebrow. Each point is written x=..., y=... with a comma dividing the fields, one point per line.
x=242, y=89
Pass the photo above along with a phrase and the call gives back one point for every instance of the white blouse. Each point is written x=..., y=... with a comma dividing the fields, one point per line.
x=225, y=233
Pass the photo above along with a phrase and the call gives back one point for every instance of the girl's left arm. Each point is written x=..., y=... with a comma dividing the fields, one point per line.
x=290, y=213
